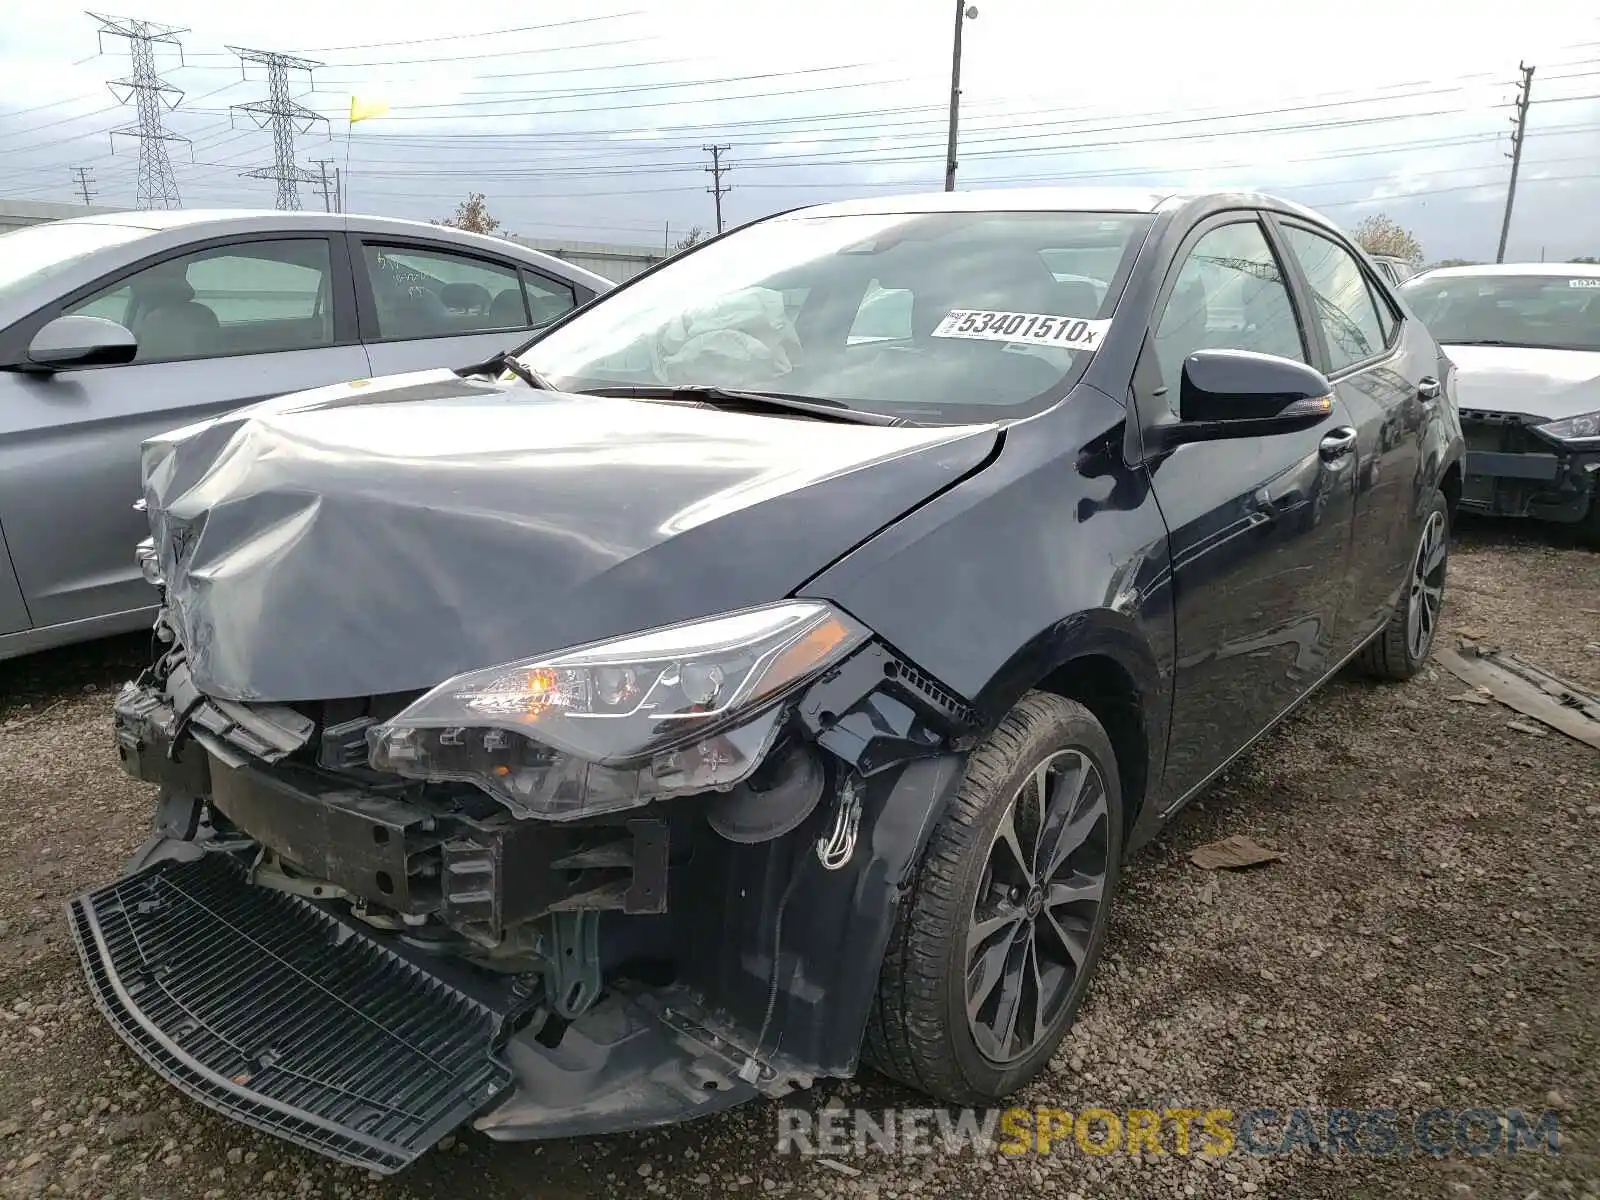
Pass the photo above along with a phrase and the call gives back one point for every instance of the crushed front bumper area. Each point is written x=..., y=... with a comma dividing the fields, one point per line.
x=358, y=963
x=266, y=1007
x=1513, y=472
x=272, y=1010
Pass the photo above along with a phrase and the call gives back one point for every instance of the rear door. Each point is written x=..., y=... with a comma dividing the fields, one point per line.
x=236, y=321
x=1380, y=366
x=429, y=304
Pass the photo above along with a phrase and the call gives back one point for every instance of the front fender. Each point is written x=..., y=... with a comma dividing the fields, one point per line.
x=829, y=929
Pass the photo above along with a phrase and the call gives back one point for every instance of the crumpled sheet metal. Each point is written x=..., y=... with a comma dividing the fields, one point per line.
x=379, y=537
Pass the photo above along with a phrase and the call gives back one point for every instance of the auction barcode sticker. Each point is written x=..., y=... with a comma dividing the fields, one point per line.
x=1075, y=333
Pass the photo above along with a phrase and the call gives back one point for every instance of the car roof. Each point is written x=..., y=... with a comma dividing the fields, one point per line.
x=1581, y=270
x=1052, y=199
x=219, y=222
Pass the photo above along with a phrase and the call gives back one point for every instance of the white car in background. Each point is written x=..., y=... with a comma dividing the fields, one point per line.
x=1525, y=338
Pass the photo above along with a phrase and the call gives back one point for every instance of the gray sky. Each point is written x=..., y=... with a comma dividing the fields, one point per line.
x=588, y=121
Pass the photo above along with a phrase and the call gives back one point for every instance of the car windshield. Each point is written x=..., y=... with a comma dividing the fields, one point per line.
x=934, y=317
x=1539, y=311
x=30, y=255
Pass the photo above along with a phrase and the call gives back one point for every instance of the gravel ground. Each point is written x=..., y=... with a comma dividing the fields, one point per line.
x=1428, y=938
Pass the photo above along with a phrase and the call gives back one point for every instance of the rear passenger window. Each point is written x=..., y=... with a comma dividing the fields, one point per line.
x=547, y=298
x=430, y=293
x=1345, y=307
x=244, y=298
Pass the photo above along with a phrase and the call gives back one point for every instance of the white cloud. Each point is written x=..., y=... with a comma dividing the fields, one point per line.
x=595, y=129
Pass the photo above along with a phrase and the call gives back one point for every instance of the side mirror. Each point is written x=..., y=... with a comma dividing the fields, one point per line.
x=81, y=342
x=1240, y=394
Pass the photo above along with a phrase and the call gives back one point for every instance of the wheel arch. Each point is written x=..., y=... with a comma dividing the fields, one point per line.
x=1104, y=660
x=1450, y=485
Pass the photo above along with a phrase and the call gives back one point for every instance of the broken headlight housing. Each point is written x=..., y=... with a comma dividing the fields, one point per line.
x=1580, y=432
x=614, y=724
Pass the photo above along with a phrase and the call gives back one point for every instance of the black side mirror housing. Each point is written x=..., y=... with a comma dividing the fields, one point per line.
x=78, y=341
x=1239, y=394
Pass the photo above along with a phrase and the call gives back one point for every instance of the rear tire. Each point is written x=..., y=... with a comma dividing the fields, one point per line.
x=1399, y=652
x=994, y=945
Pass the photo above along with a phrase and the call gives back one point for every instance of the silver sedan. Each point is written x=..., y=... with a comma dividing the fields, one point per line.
x=114, y=328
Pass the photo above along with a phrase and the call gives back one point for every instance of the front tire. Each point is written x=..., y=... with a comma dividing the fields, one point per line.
x=1399, y=652
x=994, y=945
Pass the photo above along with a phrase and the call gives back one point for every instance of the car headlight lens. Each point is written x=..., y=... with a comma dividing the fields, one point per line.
x=1580, y=430
x=686, y=708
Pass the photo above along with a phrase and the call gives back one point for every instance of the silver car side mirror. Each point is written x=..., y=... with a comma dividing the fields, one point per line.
x=78, y=341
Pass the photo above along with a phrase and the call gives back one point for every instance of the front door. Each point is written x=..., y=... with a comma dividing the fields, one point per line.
x=13, y=611
x=217, y=329
x=1260, y=528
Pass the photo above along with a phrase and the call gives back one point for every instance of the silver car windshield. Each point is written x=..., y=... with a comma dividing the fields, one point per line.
x=30, y=255
x=1557, y=312
x=935, y=317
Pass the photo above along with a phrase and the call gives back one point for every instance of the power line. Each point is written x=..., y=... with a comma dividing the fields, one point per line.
x=717, y=189
x=695, y=132
x=486, y=33
x=149, y=92
x=286, y=117
x=22, y=112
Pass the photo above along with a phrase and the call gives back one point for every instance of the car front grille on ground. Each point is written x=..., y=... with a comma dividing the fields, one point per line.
x=266, y=1007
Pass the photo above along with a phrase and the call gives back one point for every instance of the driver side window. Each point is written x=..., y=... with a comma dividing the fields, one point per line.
x=1229, y=295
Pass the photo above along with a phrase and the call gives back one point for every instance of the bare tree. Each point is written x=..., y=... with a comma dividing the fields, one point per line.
x=472, y=214
x=693, y=237
x=1382, y=234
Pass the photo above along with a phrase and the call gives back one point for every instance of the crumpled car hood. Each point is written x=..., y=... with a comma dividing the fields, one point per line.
x=380, y=536
x=1542, y=383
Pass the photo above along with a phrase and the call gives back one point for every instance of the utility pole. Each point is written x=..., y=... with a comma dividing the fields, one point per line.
x=82, y=177
x=285, y=116
x=149, y=93
x=715, y=170
x=1520, y=122
x=964, y=13
x=324, y=187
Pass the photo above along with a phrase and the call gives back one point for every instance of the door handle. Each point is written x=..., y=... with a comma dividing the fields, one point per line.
x=1429, y=388
x=1337, y=444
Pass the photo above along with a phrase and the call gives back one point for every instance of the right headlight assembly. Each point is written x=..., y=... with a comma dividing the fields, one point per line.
x=686, y=708
x=1580, y=432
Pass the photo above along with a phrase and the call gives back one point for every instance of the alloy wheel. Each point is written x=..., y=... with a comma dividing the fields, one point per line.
x=1034, y=916
x=1427, y=587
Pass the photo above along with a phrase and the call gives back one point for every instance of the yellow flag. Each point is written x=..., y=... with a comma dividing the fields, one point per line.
x=365, y=110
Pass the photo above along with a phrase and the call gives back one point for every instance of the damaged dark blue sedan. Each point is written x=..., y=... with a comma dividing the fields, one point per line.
x=761, y=674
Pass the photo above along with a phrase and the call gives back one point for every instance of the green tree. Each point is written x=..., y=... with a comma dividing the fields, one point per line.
x=1382, y=234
